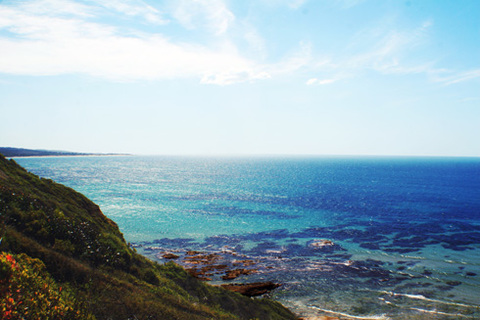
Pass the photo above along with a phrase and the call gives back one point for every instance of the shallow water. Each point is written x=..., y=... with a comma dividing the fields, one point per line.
x=404, y=232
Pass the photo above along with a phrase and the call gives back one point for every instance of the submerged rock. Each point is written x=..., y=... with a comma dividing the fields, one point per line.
x=233, y=274
x=251, y=289
x=319, y=318
x=245, y=263
x=324, y=246
x=202, y=258
x=170, y=256
x=321, y=243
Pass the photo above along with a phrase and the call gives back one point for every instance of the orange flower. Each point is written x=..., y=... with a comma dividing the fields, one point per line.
x=8, y=314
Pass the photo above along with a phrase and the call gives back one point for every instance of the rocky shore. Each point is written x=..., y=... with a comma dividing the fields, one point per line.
x=205, y=266
x=40, y=254
x=227, y=264
x=224, y=264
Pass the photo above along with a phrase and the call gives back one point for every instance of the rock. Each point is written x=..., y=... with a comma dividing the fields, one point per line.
x=324, y=246
x=233, y=274
x=319, y=318
x=170, y=255
x=245, y=263
x=251, y=289
x=322, y=243
x=206, y=271
x=214, y=267
x=199, y=274
x=203, y=258
x=227, y=249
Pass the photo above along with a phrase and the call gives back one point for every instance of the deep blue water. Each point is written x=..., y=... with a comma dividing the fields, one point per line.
x=404, y=233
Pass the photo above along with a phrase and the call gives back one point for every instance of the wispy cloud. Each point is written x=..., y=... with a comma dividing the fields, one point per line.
x=213, y=14
x=315, y=81
x=232, y=76
x=293, y=4
x=134, y=8
x=56, y=7
x=395, y=54
x=53, y=37
x=299, y=58
x=256, y=43
x=380, y=49
x=387, y=51
x=346, y=4
x=448, y=77
x=66, y=41
x=470, y=99
x=388, y=48
x=121, y=59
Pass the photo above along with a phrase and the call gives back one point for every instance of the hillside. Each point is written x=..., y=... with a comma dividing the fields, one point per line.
x=21, y=152
x=60, y=257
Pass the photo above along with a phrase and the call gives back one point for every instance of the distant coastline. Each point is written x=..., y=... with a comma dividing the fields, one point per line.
x=10, y=152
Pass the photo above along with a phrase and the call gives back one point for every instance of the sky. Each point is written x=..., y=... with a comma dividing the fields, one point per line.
x=241, y=77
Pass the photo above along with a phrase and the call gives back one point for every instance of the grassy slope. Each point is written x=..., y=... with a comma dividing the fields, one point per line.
x=20, y=152
x=84, y=251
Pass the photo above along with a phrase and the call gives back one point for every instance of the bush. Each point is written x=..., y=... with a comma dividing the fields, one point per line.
x=27, y=292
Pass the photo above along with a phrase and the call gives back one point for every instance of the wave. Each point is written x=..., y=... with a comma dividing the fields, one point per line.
x=375, y=317
x=421, y=297
x=443, y=313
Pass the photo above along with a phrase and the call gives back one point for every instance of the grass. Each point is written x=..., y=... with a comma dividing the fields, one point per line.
x=60, y=239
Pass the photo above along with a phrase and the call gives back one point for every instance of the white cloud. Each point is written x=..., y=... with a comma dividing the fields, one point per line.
x=388, y=52
x=134, y=8
x=347, y=4
x=53, y=37
x=389, y=49
x=379, y=49
x=469, y=99
x=212, y=14
x=123, y=59
x=57, y=7
x=315, y=81
x=227, y=78
x=47, y=43
x=391, y=53
x=256, y=42
x=297, y=59
x=293, y=4
x=449, y=77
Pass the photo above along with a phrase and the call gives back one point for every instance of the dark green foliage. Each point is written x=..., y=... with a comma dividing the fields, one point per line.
x=20, y=152
x=85, y=251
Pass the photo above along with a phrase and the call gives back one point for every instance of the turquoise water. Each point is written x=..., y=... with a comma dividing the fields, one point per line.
x=404, y=233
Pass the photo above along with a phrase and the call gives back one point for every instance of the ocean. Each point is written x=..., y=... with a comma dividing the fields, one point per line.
x=348, y=237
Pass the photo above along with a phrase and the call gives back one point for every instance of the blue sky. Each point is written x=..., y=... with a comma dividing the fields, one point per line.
x=220, y=77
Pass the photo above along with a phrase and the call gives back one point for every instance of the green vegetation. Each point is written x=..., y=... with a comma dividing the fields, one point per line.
x=28, y=291
x=61, y=258
x=20, y=152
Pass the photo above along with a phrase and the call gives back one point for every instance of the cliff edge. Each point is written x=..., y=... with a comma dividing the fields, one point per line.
x=61, y=257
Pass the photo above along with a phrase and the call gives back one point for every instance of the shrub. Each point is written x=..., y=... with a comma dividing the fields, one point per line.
x=28, y=292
